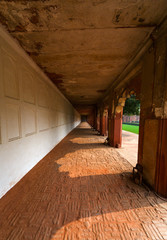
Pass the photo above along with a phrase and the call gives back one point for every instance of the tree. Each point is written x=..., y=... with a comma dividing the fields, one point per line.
x=132, y=106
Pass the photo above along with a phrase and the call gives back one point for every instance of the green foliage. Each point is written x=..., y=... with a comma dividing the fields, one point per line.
x=132, y=106
x=130, y=128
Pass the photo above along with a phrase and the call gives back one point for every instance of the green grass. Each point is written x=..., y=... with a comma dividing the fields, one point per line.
x=130, y=128
x=132, y=123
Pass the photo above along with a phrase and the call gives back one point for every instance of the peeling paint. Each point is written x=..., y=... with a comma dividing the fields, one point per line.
x=20, y=28
x=35, y=16
x=34, y=19
x=91, y=41
x=101, y=90
x=38, y=46
x=32, y=54
x=56, y=78
x=51, y=8
x=3, y=20
x=141, y=20
x=165, y=109
x=97, y=2
x=158, y=112
x=117, y=16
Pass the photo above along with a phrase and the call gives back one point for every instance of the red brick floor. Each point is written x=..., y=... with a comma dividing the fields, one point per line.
x=81, y=190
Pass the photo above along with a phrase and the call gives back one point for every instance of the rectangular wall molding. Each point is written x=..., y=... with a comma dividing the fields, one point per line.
x=10, y=77
x=34, y=115
x=13, y=122
x=28, y=87
x=30, y=121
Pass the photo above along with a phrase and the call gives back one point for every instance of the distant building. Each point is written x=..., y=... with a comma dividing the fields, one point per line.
x=134, y=118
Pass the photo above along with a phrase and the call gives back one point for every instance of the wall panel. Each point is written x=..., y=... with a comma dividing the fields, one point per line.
x=28, y=87
x=0, y=130
x=43, y=119
x=13, y=121
x=11, y=84
x=29, y=120
x=43, y=96
x=53, y=118
x=34, y=115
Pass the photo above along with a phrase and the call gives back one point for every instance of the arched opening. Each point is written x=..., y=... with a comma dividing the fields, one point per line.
x=130, y=128
x=127, y=114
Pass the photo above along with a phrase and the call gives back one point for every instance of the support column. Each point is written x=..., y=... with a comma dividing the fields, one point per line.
x=115, y=127
x=95, y=119
x=106, y=122
x=98, y=121
x=102, y=123
x=161, y=166
x=152, y=152
x=118, y=129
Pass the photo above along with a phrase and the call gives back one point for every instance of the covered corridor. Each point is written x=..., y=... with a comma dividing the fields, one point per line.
x=62, y=62
x=82, y=190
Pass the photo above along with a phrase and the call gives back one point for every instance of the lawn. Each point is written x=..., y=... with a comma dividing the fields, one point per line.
x=130, y=128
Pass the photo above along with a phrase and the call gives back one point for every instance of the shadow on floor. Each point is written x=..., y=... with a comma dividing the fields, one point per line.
x=47, y=199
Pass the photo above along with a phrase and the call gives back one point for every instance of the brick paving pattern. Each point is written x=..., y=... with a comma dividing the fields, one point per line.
x=81, y=190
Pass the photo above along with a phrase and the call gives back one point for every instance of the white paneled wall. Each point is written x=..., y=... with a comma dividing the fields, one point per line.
x=34, y=115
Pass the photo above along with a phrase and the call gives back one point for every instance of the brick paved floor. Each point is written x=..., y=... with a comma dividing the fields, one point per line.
x=81, y=190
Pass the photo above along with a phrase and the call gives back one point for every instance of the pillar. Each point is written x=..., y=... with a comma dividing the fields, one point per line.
x=103, y=122
x=152, y=152
x=95, y=119
x=106, y=122
x=114, y=127
x=98, y=121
